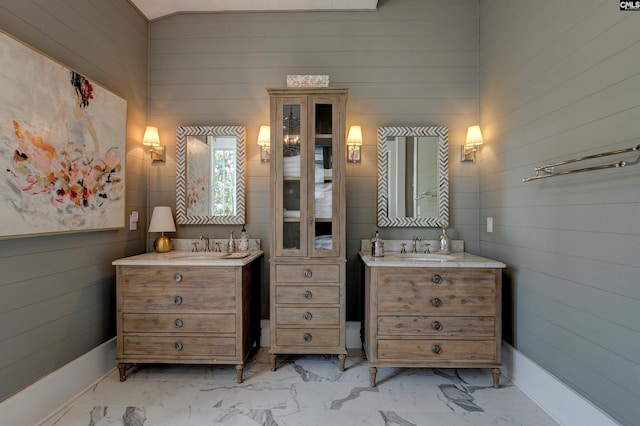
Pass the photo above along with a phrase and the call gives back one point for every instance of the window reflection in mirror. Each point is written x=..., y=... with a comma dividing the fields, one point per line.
x=210, y=175
x=413, y=181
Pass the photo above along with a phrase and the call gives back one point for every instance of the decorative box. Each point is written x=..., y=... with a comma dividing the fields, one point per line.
x=307, y=81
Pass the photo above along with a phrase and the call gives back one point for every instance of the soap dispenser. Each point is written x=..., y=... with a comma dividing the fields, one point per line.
x=243, y=240
x=231, y=244
x=444, y=242
x=377, y=246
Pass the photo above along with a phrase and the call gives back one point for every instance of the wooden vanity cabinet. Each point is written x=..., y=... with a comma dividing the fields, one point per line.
x=187, y=314
x=433, y=317
x=308, y=254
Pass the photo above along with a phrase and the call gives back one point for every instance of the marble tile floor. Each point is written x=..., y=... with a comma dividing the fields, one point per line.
x=303, y=391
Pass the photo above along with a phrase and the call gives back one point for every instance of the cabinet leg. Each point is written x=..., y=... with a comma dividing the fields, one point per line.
x=342, y=358
x=273, y=362
x=239, y=370
x=372, y=376
x=495, y=372
x=122, y=369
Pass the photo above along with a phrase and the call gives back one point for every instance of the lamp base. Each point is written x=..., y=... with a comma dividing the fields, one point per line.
x=162, y=244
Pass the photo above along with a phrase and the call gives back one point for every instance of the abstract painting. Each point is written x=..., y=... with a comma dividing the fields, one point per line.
x=62, y=147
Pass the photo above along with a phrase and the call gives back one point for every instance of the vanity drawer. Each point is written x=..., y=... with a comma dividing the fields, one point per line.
x=307, y=316
x=178, y=323
x=314, y=273
x=307, y=337
x=436, y=326
x=460, y=351
x=178, y=275
x=437, y=292
x=178, y=346
x=304, y=295
x=183, y=299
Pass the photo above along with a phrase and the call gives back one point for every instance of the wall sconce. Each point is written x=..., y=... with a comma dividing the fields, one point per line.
x=469, y=151
x=264, y=141
x=354, y=142
x=162, y=221
x=151, y=138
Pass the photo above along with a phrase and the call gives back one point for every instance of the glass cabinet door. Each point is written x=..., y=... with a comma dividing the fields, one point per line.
x=323, y=232
x=292, y=196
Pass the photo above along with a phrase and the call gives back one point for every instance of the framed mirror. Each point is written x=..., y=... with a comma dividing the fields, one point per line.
x=413, y=177
x=210, y=175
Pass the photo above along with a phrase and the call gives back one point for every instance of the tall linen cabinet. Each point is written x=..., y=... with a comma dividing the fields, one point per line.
x=308, y=254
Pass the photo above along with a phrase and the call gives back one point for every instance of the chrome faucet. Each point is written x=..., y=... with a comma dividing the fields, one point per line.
x=414, y=240
x=206, y=242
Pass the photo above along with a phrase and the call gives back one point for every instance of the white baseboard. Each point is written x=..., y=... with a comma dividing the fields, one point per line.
x=56, y=390
x=558, y=400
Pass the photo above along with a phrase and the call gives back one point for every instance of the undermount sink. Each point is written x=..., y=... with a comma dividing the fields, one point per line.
x=426, y=257
x=197, y=255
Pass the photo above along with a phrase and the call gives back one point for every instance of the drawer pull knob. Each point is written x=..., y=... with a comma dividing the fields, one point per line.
x=308, y=294
x=308, y=316
x=307, y=273
x=436, y=325
x=436, y=279
x=178, y=277
x=436, y=349
x=178, y=300
x=179, y=346
x=307, y=337
x=178, y=322
x=436, y=302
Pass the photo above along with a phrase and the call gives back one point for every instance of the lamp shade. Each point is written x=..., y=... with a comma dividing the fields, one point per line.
x=162, y=220
x=151, y=136
x=355, y=136
x=264, y=136
x=474, y=136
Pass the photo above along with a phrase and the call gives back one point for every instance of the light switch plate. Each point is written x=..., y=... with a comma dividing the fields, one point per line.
x=489, y=224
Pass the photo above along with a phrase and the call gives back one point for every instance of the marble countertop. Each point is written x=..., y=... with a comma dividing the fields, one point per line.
x=187, y=258
x=450, y=260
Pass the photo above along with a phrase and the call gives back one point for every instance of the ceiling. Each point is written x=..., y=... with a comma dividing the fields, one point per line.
x=154, y=9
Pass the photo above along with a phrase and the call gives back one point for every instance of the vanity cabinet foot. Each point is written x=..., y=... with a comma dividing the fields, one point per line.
x=342, y=358
x=122, y=369
x=373, y=371
x=239, y=371
x=273, y=361
x=495, y=372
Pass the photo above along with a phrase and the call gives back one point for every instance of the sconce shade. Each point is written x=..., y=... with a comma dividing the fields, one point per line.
x=474, y=136
x=151, y=136
x=355, y=136
x=264, y=136
x=162, y=220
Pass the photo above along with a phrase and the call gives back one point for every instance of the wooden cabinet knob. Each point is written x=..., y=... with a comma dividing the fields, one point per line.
x=179, y=346
x=178, y=277
x=436, y=325
x=308, y=316
x=177, y=300
x=436, y=303
x=308, y=294
x=436, y=349
x=307, y=273
x=178, y=322
x=307, y=337
x=436, y=279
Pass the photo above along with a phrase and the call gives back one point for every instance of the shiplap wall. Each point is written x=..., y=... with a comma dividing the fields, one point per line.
x=412, y=62
x=561, y=79
x=57, y=293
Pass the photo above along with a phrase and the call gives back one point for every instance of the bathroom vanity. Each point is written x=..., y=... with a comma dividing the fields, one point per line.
x=188, y=308
x=431, y=310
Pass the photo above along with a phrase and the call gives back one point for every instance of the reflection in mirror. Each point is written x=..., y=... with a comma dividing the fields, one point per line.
x=210, y=175
x=413, y=176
